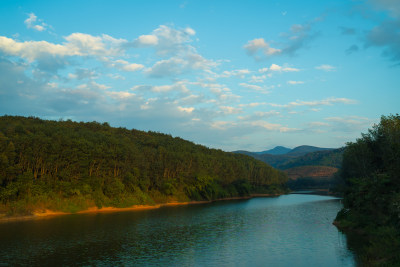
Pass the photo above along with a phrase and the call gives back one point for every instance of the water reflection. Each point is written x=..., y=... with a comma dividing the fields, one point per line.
x=291, y=230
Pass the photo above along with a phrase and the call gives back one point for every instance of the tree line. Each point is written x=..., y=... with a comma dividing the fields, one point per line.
x=67, y=165
x=370, y=177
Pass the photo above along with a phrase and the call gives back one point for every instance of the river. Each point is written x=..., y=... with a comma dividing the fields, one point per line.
x=289, y=230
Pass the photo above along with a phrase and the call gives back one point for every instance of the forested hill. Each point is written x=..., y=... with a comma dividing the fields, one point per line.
x=307, y=166
x=65, y=165
x=300, y=156
x=371, y=177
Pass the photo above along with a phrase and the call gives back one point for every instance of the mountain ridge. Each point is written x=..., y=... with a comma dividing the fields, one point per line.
x=278, y=150
x=281, y=150
x=306, y=166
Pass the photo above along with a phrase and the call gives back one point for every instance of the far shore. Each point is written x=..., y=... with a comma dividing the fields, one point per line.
x=42, y=214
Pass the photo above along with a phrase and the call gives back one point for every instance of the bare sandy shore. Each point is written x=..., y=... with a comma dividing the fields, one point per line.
x=41, y=214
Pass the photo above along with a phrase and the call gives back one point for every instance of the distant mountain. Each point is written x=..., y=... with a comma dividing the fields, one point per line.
x=302, y=150
x=278, y=150
x=298, y=156
x=306, y=166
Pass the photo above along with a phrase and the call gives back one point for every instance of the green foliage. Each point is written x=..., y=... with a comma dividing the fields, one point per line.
x=330, y=158
x=301, y=156
x=65, y=165
x=371, y=175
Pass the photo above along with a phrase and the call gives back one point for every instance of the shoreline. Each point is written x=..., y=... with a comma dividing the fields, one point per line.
x=44, y=214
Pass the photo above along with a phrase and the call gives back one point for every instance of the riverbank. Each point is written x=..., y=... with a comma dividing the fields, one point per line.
x=43, y=214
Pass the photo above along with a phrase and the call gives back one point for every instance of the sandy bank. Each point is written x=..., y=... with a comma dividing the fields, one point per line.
x=41, y=214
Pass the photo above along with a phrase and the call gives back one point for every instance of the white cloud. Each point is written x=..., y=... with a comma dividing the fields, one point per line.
x=121, y=64
x=33, y=23
x=290, y=69
x=86, y=44
x=236, y=73
x=258, y=79
x=77, y=44
x=222, y=125
x=262, y=89
x=53, y=85
x=251, y=86
x=326, y=67
x=295, y=82
x=173, y=41
x=190, y=31
x=167, y=67
x=189, y=100
x=81, y=74
x=147, y=40
x=230, y=110
x=267, y=113
x=229, y=97
x=121, y=95
x=259, y=114
x=254, y=126
x=32, y=50
x=341, y=124
x=132, y=67
x=272, y=126
x=178, y=65
x=93, y=85
x=351, y=120
x=166, y=40
x=253, y=47
x=176, y=87
x=116, y=76
x=252, y=105
x=186, y=110
x=325, y=102
x=297, y=37
x=275, y=67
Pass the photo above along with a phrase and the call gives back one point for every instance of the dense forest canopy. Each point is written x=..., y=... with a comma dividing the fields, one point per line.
x=67, y=165
x=371, y=175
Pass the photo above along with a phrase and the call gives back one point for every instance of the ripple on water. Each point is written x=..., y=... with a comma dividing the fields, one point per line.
x=290, y=230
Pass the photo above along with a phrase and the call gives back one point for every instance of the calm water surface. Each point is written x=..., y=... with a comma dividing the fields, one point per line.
x=290, y=230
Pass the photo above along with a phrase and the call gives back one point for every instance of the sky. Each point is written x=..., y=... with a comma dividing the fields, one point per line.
x=233, y=75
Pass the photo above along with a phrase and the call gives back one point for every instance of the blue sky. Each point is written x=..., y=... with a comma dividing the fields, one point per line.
x=226, y=74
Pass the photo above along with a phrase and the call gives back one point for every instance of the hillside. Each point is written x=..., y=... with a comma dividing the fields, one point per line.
x=70, y=166
x=306, y=166
x=321, y=172
x=329, y=158
x=371, y=188
x=308, y=177
x=300, y=156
